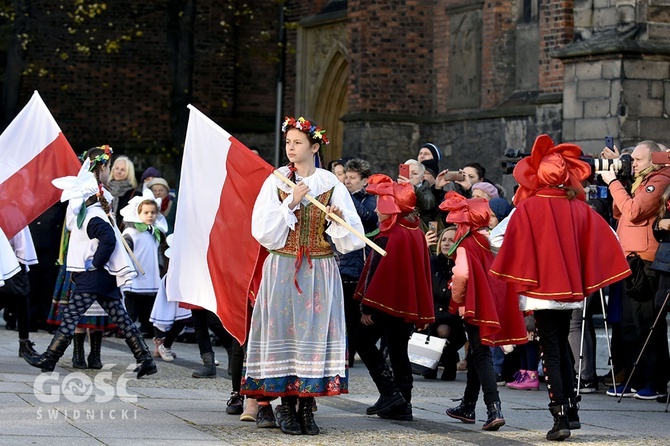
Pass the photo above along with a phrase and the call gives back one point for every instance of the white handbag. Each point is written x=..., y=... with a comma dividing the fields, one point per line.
x=424, y=352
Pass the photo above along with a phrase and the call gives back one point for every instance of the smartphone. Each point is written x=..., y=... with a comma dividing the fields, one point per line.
x=660, y=157
x=609, y=142
x=403, y=170
x=432, y=226
x=454, y=176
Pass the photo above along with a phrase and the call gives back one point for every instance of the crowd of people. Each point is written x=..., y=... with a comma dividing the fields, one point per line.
x=521, y=310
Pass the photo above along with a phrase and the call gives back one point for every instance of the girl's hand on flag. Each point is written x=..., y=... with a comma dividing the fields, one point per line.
x=299, y=192
x=335, y=210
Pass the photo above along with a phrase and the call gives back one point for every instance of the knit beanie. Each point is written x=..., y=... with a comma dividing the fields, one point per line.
x=437, y=155
x=500, y=207
x=150, y=172
x=488, y=188
x=432, y=167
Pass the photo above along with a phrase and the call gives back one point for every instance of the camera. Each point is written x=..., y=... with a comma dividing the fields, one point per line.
x=514, y=156
x=623, y=166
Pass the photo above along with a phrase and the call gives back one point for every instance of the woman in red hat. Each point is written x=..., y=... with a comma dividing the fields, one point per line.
x=395, y=293
x=556, y=251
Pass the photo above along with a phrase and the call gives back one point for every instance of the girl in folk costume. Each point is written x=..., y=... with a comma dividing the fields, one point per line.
x=491, y=317
x=99, y=265
x=143, y=231
x=297, y=343
x=94, y=321
x=556, y=251
x=395, y=293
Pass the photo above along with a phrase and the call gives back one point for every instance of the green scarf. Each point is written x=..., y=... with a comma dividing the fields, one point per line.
x=145, y=227
x=639, y=177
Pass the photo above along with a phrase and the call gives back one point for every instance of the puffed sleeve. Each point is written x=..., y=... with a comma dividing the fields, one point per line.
x=343, y=239
x=272, y=219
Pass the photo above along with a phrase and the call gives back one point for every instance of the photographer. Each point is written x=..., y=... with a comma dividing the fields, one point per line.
x=636, y=211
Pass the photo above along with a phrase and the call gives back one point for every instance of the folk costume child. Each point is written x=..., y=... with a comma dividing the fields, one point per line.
x=395, y=293
x=556, y=251
x=481, y=301
x=297, y=343
x=99, y=265
x=143, y=233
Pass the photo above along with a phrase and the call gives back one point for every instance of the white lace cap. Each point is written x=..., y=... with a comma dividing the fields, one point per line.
x=77, y=189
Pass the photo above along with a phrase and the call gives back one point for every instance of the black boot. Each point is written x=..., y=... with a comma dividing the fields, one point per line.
x=94, y=361
x=78, y=358
x=146, y=366
x=494, y=419
x=287, y=418
x=208, y=370
x=573, y=413
x=389, y=395
x=47, y=360
x=306, y=417
x=561, y=429
x=26, y=348
x=402, y=412
x=464, y=412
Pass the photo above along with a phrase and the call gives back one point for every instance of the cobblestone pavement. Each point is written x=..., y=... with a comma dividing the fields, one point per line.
x=86, y=407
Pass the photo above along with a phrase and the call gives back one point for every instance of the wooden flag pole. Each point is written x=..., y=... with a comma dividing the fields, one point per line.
x=333, y=216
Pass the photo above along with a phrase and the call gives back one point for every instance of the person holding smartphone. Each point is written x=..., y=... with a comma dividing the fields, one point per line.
x=425, y=200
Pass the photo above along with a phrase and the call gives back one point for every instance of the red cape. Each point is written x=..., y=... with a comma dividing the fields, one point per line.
x=487, y=302
x=401, y=285
x=559, y=249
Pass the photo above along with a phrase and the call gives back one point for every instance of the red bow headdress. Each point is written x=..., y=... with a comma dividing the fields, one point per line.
x=468, y=214
x=550, y=165
x=393, y=198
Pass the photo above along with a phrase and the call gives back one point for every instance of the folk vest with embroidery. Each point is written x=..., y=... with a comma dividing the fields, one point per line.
x=307, y=240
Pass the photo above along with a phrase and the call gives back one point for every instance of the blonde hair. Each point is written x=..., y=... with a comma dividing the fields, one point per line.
x=130, y=170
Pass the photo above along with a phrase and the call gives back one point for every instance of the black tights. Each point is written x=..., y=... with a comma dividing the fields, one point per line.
x=553, y=329
x=480, y=369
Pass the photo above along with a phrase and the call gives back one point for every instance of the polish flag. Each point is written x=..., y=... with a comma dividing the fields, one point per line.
x=33, y=151
x=215, y=262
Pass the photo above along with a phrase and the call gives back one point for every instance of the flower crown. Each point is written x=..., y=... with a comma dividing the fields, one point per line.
x=103, y=158
x=313, y=131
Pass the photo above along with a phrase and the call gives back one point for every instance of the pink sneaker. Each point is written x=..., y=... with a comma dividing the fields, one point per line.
x=518, y=377
x=528, y=381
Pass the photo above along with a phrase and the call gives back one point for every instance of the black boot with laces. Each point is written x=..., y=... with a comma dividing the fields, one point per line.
x=287, y=418
x=306, y=417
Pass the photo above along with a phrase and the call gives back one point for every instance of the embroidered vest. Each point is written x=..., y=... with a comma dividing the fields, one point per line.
x=307, y=240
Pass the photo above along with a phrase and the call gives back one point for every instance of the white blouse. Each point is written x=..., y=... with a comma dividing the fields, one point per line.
x=272, y=219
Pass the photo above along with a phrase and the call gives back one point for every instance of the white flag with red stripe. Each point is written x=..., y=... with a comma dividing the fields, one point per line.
x=33, y=151
x=215, y=261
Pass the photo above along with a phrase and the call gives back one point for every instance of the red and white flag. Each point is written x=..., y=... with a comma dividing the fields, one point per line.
x=215, y=262
x=33, y=151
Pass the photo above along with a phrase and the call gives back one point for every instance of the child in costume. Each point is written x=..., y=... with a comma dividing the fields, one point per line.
x=143, y=232
x=297, y=343
x=490, y=318
x=395, y=293
x=98, y=262
x=556, y=251
x=94, y=321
